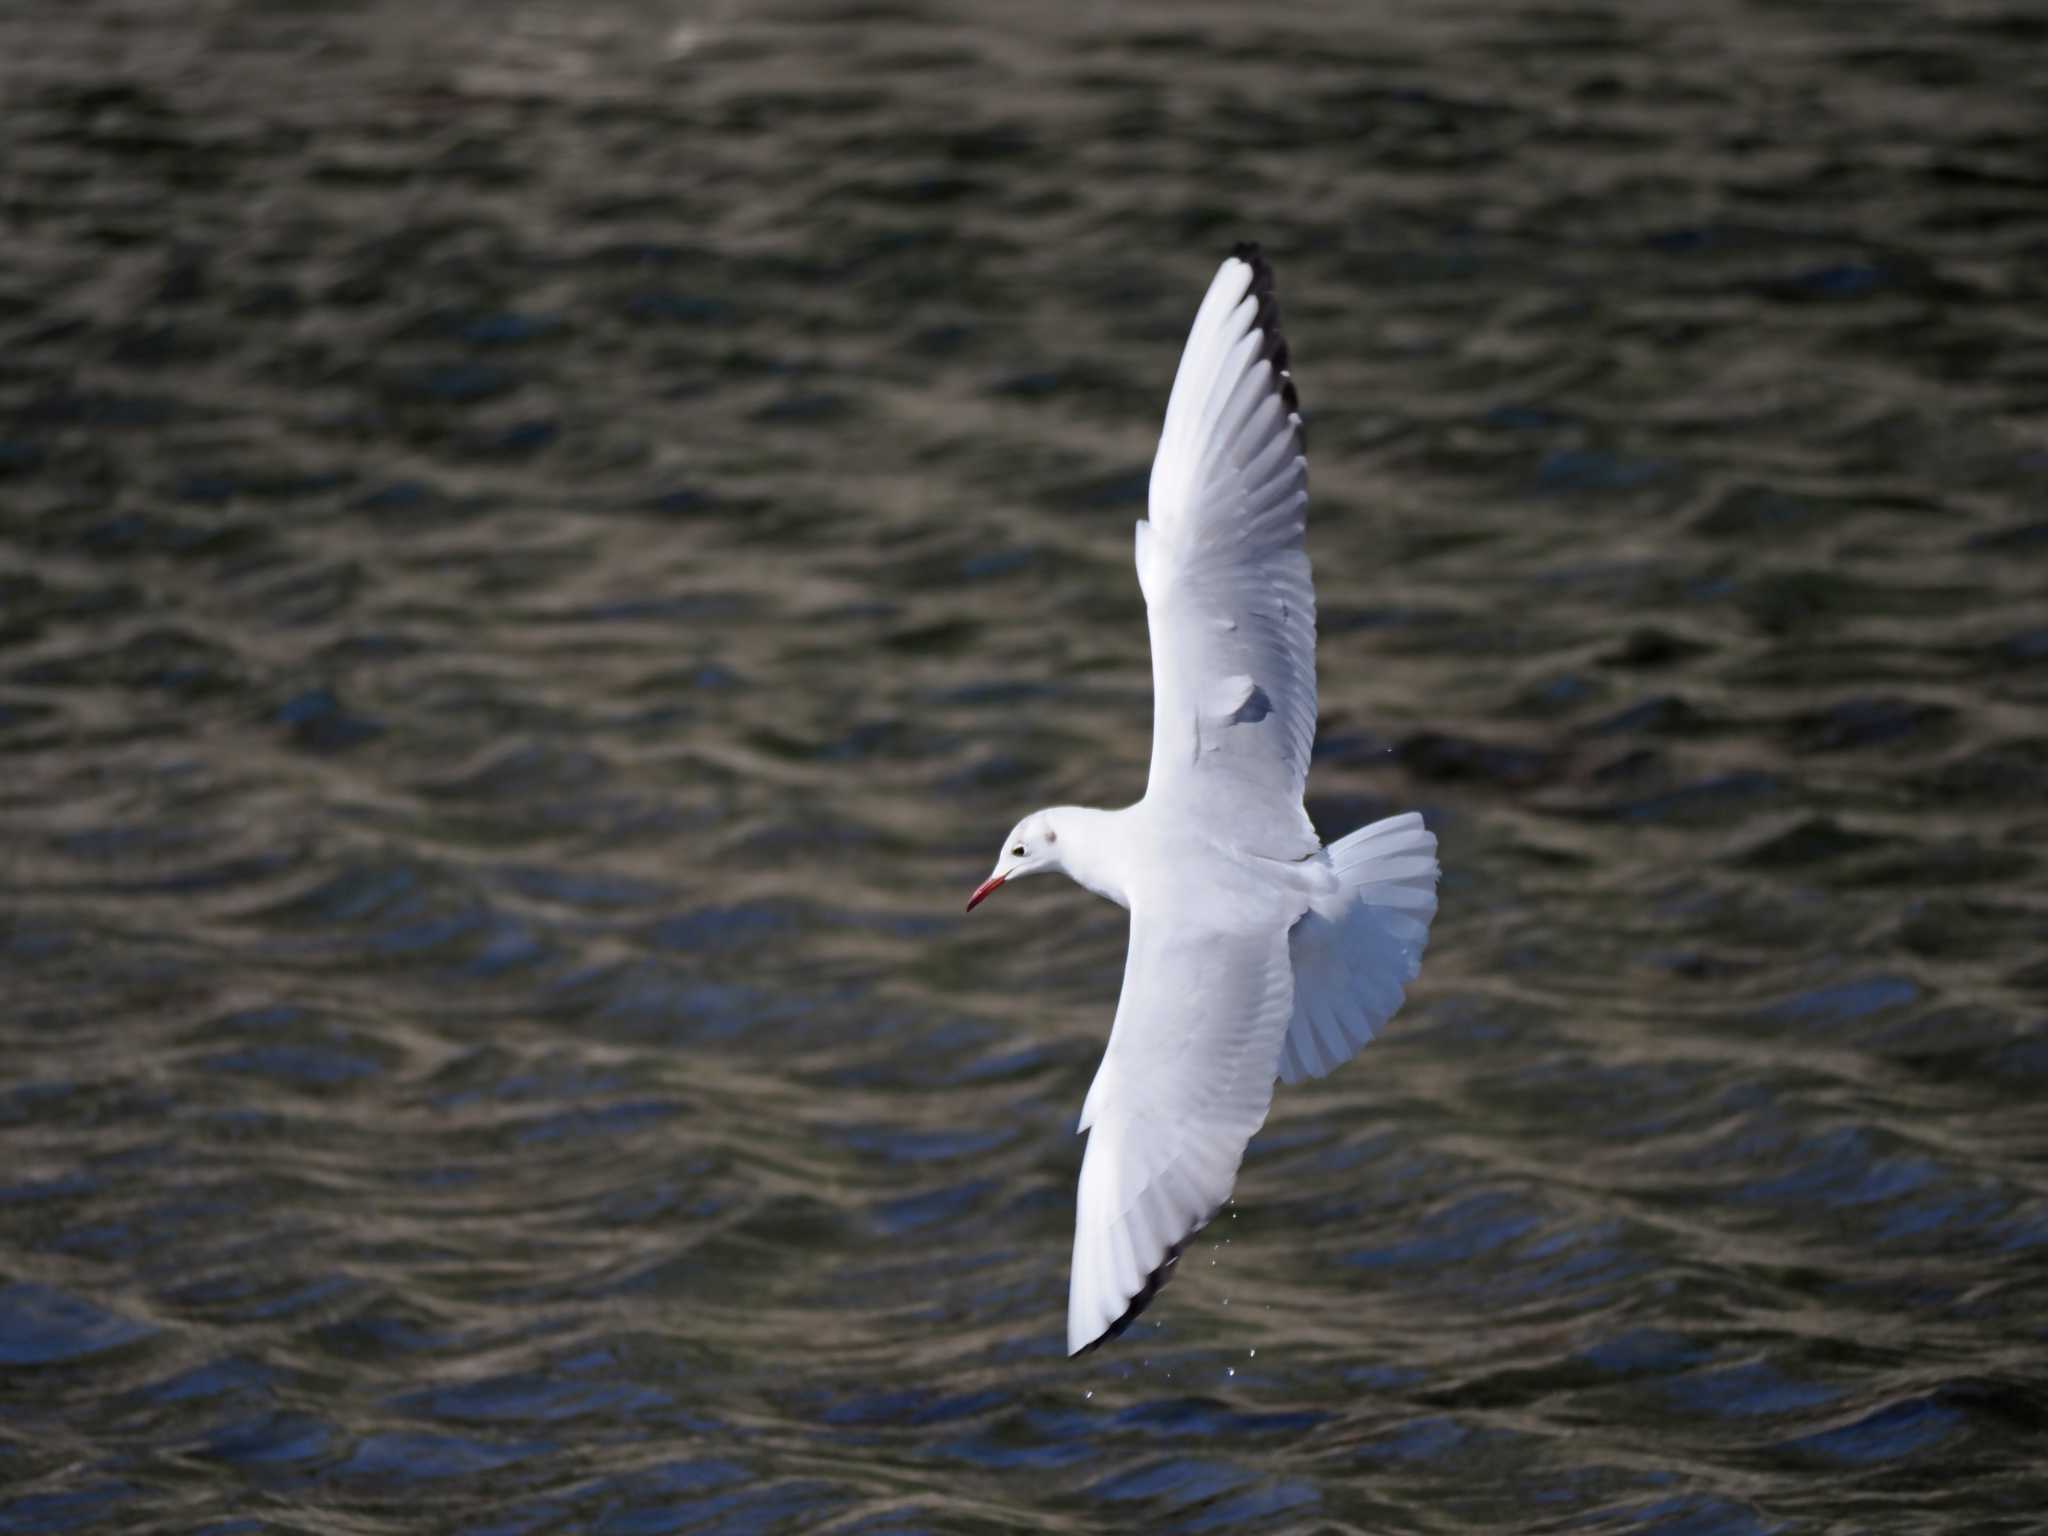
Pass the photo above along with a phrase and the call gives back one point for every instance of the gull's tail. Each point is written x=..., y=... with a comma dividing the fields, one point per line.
x=1353, y=958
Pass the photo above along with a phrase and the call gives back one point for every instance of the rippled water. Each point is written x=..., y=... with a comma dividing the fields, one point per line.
x=541, y=546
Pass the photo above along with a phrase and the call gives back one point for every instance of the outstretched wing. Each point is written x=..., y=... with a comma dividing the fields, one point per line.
x=1186, y=1080
x=1228, y=594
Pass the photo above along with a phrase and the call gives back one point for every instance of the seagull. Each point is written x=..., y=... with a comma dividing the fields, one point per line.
x=1255, y=951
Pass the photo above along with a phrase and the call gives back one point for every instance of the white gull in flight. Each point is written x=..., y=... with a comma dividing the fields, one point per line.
x=1255, y=951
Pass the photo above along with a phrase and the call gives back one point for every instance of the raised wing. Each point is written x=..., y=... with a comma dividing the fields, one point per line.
x=1231, y=605
x=1186, y=1080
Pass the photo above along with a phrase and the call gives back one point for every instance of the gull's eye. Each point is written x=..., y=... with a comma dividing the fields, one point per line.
x=1018, y=851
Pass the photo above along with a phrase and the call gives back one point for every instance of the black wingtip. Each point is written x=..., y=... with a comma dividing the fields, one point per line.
x=1262, y=289
x=1154, y=1283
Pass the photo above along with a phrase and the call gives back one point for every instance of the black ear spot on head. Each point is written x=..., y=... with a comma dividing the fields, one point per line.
x=1051, y=836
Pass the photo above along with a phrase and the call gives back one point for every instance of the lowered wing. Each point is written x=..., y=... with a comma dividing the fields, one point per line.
x=1185, y=1081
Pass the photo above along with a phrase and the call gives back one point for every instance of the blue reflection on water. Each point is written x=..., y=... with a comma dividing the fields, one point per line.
x=43, y=1326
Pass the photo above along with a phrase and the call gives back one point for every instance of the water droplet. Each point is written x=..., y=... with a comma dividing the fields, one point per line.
x=1251, y=1354
x=1087, y=1394
x=1230, y=1370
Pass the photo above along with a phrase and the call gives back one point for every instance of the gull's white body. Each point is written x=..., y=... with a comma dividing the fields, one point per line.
x=1255, y=952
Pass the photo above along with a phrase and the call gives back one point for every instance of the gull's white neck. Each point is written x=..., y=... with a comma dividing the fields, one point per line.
x=1093, y=847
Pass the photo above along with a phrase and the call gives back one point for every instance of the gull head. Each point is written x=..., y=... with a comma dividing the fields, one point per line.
x=1031, y=848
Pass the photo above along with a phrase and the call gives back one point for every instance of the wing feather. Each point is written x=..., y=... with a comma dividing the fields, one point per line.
x=1186, y=1080
x=1229, y=597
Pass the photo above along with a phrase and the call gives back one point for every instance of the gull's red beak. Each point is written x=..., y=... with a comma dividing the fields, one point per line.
x=982, y=891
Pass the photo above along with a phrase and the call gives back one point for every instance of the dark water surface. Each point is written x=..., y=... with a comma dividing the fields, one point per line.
x=541, y=546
